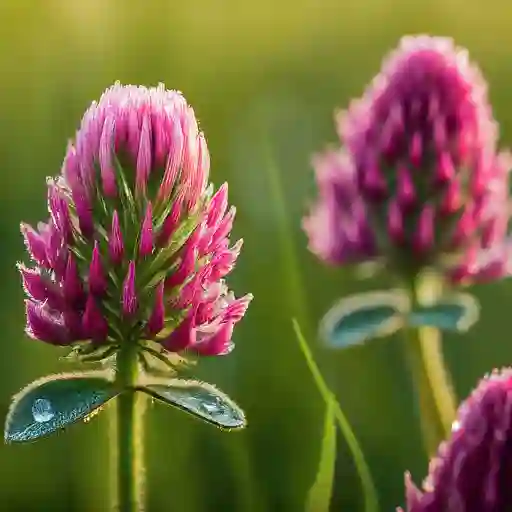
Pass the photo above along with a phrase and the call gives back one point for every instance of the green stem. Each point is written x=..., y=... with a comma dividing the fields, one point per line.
x=128, y=434
x=434, y=390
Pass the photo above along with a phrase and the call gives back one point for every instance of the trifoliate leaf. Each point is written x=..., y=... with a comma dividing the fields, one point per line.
x=54, y=402
x=200, y=399
x=456, y=313
x=358, y=318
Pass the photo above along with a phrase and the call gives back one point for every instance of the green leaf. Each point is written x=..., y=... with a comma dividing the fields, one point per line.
x=54, y=402
x=358, y=318
x=200, y=399
x=320, y=494
x=455, y=313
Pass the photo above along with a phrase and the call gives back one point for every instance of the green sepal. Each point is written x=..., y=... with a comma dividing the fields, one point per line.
x=200, y=399
x=55, y=402
x=171, y=322
x=457, y=312
x=162, y=257
x=126, y=196
x=87, y=352
x=361, y=317
x=157, y=361
x=369, y=269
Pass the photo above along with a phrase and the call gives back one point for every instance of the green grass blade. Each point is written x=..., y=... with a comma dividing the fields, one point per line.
x=296, y=290
x=320, y=494
x=291, y=268
x=371, y=501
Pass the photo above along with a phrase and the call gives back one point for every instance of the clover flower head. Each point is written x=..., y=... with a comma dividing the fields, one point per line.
x=421, y=170
x=473, y=468
x=137, y=244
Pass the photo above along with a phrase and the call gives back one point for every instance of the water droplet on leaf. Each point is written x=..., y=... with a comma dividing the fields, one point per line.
x=199, y=399
x=212, y=407
x=42, y=410
x=68, y=398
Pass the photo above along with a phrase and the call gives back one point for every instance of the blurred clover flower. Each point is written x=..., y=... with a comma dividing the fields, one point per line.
x=129, y=271
x=417, y=187
x=419, y=181
x=136, y=247
x=473, y=469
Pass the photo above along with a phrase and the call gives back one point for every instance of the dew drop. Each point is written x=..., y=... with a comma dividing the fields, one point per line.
x=198, y=399
x=42, y=410
x=219, y=411
x=214, y=407
x=228, y=349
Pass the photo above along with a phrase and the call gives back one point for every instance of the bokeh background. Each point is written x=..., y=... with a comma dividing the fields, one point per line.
x=260, y=75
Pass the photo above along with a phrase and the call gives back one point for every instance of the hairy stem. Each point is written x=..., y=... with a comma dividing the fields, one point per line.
x=128, y=434
x=434, y=390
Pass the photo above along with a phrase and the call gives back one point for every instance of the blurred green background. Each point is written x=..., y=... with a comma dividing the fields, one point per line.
x=277, y=67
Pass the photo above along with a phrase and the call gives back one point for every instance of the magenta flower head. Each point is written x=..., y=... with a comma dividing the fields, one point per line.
x=418, y=188
x=136, y=247
x=473, y=469
x=129, y=271
x=419, y=182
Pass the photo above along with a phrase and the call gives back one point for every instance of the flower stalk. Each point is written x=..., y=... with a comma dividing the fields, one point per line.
x=129, y=435
x=423, y=347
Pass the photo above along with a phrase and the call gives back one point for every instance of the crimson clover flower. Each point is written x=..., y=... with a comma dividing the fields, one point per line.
x=131, y=263
x=137, y=244
x=473, y=469
x=418, y=181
